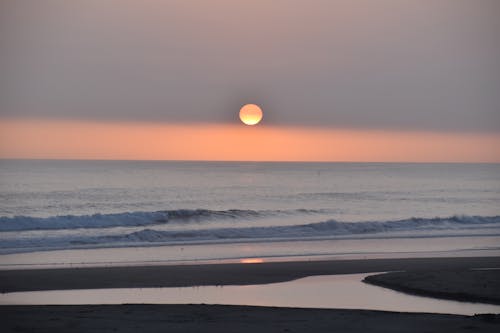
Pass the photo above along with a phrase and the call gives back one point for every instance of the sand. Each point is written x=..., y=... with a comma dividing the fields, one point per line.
x=461, y=285
x=216, y=318
x=220, y=274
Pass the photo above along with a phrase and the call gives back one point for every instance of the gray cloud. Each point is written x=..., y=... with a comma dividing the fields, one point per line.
x=432, y=65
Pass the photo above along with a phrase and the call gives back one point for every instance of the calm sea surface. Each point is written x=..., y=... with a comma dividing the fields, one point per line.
x=226, y=210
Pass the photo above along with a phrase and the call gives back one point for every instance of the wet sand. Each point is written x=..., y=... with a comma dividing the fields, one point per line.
x=461, y=285
x=215, y=318
x=220, y=274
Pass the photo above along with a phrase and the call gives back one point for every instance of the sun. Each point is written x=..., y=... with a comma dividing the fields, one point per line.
x=250, y=114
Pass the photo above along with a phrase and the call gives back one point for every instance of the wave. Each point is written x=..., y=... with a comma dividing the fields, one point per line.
x=135, y=219
x=331, y=229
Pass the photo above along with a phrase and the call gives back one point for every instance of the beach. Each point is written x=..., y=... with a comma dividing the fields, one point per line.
x=462, y=285
x=215, y=318
x=218, y=318
x=220, y=274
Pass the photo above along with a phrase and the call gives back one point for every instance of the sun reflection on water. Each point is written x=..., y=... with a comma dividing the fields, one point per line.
x=252, y=261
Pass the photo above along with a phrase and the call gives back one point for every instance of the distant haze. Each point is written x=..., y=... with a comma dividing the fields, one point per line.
x=429, y=65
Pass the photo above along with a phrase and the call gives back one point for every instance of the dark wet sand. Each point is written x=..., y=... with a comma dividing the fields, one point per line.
x=220, y=274
x=462, y=285
x=215, y=318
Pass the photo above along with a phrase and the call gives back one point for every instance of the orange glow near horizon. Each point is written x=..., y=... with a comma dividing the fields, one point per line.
x=147, y=141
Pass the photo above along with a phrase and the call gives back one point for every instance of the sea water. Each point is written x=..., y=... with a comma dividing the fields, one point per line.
x=155, y=211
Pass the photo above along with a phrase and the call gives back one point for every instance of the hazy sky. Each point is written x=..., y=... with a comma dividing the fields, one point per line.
x=387, y=64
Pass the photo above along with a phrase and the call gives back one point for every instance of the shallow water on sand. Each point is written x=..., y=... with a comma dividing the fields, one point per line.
x=267, y=251
x=328, y=291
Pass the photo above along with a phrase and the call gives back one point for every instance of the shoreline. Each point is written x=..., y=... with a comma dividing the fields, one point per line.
x=221, y=274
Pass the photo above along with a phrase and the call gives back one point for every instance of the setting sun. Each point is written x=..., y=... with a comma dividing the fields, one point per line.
x=250, y=114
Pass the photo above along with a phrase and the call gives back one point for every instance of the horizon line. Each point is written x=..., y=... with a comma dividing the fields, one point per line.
x=239, y=161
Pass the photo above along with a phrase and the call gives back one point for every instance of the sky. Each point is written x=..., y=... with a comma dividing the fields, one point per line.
x=387, y=80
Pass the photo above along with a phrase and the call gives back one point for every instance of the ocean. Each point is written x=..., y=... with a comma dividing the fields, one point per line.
x=136, y=212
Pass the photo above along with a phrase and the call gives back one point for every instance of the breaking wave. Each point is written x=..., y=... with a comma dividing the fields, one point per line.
x=321, y=229
x=135, y=219
x=412, y=227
